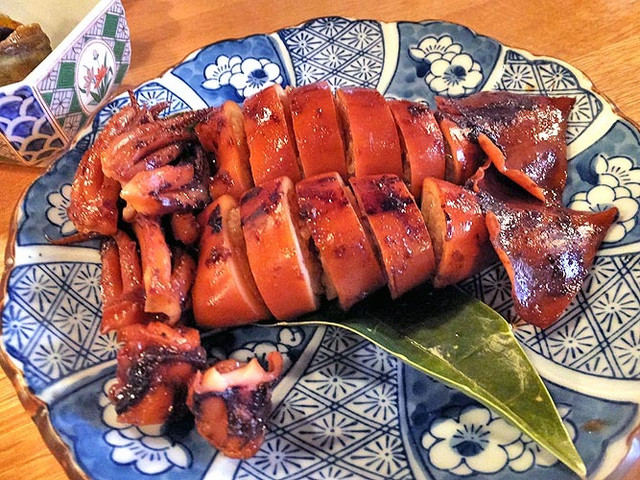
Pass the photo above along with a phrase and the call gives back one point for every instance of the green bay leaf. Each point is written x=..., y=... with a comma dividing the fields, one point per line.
x=455, y=338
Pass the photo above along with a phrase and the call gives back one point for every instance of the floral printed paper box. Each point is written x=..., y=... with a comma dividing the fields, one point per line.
x=40, y=115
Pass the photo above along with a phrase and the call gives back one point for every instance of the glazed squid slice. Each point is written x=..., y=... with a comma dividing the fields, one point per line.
x=456, y=223
x=462, y=155
x=155, y=365
x=523, y=135
x=167, y=277
x=224, y=293
x=546, y=249
x=398, y=230
x=351, y=270
x=231, y=403
x=284, y=270
x=422, y=143
x=370, y=132
x=123, y=295
x=267, y=123
x=223, y=134
x=317, y=130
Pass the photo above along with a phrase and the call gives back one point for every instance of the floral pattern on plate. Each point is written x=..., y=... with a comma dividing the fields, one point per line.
x=476, y=441
x=146, y=447
x=248, y=76
x=57, y=212
x=446, y=68
x=618, y=186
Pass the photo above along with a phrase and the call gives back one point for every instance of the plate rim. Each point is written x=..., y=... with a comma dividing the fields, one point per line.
x=35, y=407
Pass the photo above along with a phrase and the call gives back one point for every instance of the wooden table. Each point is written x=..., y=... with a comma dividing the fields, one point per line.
x=600, y=38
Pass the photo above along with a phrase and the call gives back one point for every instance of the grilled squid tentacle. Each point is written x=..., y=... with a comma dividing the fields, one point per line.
x=94, y=197
x=141, y=193
x=159, y=158
x=182, y=275
x=123, y=295
x=155, y=366
x=169, y=188
x=111, y=279
x=167, y=277
x=156, y=267
x=124, y=152
x=231, y=402
x=93, y=204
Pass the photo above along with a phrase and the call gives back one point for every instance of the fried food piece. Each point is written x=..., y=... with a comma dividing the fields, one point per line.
x=421, y=141
x=317, y=130
x=231, y=402
x=223, y=134
x=455, y=221
x=397, y=229
x=371, y=137
x=22, y=48
x=285, y=272
x=523, y=135
x=351, y=270
x=224, y=293
x=267, y=123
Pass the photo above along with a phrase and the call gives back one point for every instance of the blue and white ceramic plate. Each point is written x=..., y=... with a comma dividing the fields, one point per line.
x=345, y=409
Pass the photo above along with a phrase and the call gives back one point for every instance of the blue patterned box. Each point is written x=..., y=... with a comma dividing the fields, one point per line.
x=40, y=115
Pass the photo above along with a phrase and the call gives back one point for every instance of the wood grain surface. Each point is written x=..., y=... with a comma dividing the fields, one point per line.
x=602, y=38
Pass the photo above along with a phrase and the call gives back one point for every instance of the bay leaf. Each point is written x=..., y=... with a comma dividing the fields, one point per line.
x=458, y=340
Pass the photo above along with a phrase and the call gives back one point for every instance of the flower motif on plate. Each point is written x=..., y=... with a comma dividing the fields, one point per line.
x=54, y=358
x=627, y=351
x=288, y=338
x=279, y=458
x=146, y=447
x=57, y=212
x=384, y=455
x=17, y=327
x=218, y=74
x=446, y=68
x=477, y=441
x=248, y=76
x=380, y=403
x=618, y=186
x=339, y=51
x=474, y=442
